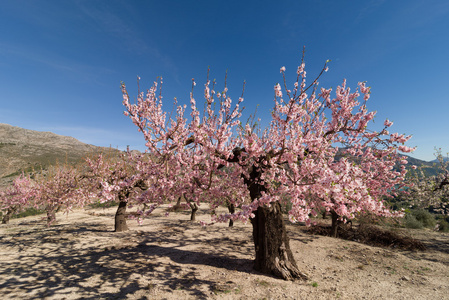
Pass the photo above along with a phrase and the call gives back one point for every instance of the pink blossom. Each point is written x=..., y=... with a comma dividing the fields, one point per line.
x=388, y=123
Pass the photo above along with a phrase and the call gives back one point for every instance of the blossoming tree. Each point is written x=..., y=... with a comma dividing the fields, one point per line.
x=15, y=198
x=296, y=156
x=429, y=191
x=121, y=177
x=59, y=187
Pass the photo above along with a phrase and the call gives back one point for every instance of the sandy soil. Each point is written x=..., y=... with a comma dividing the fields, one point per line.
x=172, y=258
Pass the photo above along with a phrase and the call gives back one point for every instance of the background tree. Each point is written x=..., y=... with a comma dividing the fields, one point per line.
x=15, y=198
x=58, y=188
x=429, y=191
x=121, y=178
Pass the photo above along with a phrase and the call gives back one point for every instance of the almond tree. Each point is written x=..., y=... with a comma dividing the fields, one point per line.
x=15, y=198
x=58, y=188
x=133, y=179
x=429, y=190
x=295, y=156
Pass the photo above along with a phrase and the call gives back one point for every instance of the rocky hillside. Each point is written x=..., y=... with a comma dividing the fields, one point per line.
x=24, y=149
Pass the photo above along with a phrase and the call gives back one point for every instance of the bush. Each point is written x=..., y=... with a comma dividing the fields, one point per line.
x=425, y=217
x=419, y=218
x=412, y=222
x=443, y=226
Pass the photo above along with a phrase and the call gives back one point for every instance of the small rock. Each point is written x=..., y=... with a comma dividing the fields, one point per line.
x=405, y=278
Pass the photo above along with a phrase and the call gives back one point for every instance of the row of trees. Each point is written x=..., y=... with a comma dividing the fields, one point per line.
x=316, y=154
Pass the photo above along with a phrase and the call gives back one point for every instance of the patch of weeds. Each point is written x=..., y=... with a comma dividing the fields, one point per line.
x=314, y=284
x=337, y=257
x=391, y=270
x=262, y=282
x=422, y=270
x=216, y=292
x=225, y=288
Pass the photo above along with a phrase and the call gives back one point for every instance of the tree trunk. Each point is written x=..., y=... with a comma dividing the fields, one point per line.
x=194, y=208
x=5, y=219
x=324, y=215
x=231, y=208
x=120, y=217
x=273, y=254
x=51, y=217
x=335, y=223
x=7, y=215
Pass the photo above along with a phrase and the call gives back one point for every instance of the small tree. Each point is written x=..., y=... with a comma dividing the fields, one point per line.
x=58, y=188
x=15, y=198
x=295, y=156
x=121, y=178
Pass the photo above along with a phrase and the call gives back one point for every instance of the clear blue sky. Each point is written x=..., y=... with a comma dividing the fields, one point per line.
x=61, y=62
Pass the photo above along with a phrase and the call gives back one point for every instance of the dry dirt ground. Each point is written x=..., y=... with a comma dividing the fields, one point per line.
x=172, y=258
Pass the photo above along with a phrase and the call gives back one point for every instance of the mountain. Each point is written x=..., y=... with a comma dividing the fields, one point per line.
x=429, y=168
x=445, y=158
x=23, y=150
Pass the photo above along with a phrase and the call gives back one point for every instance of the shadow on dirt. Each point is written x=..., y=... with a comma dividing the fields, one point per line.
x=62, y=261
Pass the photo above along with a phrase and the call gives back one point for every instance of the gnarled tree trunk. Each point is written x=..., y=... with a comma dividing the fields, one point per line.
x=273, y=254
x=272, y=245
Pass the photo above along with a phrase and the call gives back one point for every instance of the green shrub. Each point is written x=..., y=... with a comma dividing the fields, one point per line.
x=412, y=222
x=419, y=218
x=443, y=226
x=425, y=217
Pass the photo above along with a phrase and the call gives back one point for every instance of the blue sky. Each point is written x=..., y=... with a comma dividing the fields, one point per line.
x=62, y=62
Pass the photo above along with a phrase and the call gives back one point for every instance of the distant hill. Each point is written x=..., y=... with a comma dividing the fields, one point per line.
x=444, y=159
x=429, y=167
x=23, y=149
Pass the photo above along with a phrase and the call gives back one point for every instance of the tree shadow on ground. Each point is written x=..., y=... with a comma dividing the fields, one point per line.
x=63, y=262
